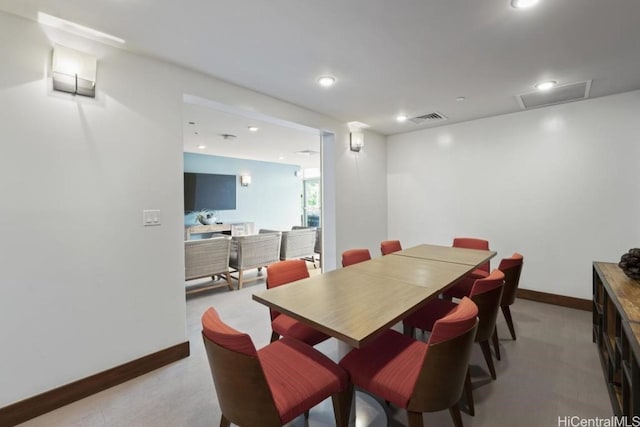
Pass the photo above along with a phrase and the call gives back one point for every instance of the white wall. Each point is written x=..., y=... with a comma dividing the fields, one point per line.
x=558, y=184
x=83, y=286
x=361, y=180
x=272, y=201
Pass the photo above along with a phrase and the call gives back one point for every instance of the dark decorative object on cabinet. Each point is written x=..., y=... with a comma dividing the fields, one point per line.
x=630, y=263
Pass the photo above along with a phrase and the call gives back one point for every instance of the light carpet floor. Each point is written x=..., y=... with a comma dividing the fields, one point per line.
x=551, y=371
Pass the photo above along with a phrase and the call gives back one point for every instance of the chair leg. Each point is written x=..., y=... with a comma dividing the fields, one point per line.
x=496, y=343
x=227, y=276
x=455, y=415
x=468, y=392
x=342, y=406
x=408, y=330
x=274, y=336
x=507, y=316
x=415, y=419
x=240, y=279
x=486, y=351
x=224, y=422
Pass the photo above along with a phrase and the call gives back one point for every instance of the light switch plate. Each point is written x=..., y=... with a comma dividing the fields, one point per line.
x=150, y=217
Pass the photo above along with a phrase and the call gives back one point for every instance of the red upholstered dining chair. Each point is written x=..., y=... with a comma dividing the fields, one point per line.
x=417, y=376
x=390, y=246
x=473, y=243
x=511, y=267
x=354, y=256
x=281, y=273
x=463, y=286
x=486, y=294
x=273, y=385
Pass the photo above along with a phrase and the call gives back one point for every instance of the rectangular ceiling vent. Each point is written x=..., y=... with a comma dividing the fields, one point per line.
x=428, y=118
x=307, y=152
x=557, y=95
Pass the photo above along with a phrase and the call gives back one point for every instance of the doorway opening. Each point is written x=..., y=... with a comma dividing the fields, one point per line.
x=278, y=164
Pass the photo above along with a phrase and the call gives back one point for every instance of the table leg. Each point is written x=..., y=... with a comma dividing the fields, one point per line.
x=367, y=412
x=343, y=349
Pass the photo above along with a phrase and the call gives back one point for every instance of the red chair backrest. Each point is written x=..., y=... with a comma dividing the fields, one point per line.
x=354, y=256
x=283, y=272
x=458, y=321
x=444, y=368
x=244, y=395
x=390, y=246
x=511, y=267
x=492, y=281
x=473, y=243
x=487, y=294
x=214, y=329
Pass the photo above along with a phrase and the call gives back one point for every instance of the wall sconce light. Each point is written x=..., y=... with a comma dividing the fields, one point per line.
x=245, y=180
x=356, y=140
x=73, y=71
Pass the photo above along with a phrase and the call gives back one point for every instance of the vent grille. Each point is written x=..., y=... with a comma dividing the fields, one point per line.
x=431, y=117
x=557, y=95
x=307, y=152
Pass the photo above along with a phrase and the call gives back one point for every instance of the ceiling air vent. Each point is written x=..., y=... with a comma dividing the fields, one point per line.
x=307, y=152
x=557, y=95
x=428, y=118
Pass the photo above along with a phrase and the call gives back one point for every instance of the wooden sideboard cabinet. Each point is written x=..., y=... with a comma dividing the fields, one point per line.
x=234, y=229
x=616, y=332
x=243, y=229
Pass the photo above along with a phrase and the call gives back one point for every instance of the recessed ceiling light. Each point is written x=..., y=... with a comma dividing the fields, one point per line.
x=545, y=85
x=460, y=98
x=253, y=128
x=523, y=4
x=357, y=125
x=326, y=81
x=402, y=118
x=201, y=147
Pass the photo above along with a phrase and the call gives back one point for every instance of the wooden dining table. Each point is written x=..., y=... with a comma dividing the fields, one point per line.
x=355, y=304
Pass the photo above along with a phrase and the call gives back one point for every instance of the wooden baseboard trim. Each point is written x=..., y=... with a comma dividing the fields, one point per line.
x=561, y=300
x=32, y=407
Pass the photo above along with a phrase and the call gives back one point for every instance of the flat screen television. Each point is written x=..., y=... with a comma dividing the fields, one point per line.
x=209, y=191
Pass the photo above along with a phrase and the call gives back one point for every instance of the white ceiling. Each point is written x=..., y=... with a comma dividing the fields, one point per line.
x=389, y=57
x=272, y=142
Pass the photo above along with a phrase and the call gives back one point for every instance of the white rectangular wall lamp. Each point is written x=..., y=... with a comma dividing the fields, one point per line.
x=74, y=71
